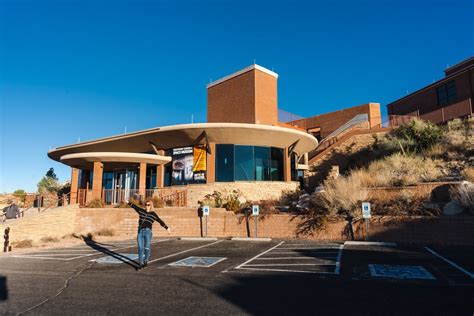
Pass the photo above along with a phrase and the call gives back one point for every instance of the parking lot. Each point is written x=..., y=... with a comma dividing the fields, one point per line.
x=235, y=277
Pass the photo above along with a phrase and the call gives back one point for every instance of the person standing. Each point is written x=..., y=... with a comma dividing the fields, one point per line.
x=146, y=218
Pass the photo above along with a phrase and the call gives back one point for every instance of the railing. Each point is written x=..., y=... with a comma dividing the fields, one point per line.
x=170, y=197
x=285, y=117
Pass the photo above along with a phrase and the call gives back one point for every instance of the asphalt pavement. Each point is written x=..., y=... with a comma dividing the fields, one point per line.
x=239, y=277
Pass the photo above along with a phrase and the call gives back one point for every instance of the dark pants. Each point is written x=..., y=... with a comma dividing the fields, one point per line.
x=144, y=239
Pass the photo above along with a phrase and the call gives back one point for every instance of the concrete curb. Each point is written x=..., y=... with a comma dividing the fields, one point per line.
x=198, y=238
x=250, y=239
x=370, y=243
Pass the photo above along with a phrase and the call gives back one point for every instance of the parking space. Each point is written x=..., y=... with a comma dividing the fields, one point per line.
x=88, y=249
x=297, y=257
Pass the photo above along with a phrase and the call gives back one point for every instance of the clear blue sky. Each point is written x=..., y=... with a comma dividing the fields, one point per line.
x=89, y=68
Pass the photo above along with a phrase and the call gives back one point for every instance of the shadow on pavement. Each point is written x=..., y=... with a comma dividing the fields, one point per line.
x=101, y=248
x=3, y=288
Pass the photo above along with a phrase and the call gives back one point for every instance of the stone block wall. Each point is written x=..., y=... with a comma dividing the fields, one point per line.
x=56, y=222
x=251, y=191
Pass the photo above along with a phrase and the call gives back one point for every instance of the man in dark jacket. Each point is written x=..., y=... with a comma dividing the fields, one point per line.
x=146, y=218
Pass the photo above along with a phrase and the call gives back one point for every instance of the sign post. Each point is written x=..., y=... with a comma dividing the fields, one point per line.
x=366, y=216
x=205, y=211
x=256, y=212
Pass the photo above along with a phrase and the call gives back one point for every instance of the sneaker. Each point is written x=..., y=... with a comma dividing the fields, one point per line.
x=145, y=265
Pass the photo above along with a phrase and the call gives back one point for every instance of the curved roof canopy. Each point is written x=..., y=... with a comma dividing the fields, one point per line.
x=84, y=159
x=193, y=134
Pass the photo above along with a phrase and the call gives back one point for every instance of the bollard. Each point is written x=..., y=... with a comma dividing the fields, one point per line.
x=6, y=237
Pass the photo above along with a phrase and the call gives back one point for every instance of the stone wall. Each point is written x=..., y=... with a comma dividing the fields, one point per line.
x=251, y=191
x=186, y=222
x=56, y=222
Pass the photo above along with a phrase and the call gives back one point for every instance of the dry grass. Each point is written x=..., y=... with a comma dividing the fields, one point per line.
x=464, y=195
x=342, y=195
x=25, y=243
x=468, y=174
x=48, y=239
x=399, y=170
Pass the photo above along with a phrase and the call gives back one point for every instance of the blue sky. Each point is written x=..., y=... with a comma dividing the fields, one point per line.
x=88, y=69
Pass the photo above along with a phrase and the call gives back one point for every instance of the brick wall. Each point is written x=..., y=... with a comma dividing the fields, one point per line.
x=52, y=223
x=329, y=122
x=185, y=222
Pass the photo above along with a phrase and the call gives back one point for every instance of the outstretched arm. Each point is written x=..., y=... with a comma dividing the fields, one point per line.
x=135, y=207
x=159, y=220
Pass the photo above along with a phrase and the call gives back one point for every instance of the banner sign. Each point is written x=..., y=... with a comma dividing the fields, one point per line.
x=188, y=165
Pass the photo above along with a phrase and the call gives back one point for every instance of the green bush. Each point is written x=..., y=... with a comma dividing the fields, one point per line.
x=413, y=136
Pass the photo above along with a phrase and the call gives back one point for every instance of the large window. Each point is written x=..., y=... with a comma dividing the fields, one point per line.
x=224, y=163
x=248, y=163
x=244, y=163
x=446, y=93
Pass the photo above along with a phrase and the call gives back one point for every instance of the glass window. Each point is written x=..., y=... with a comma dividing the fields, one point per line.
x=276, y=165
x=107, y=180
x=244, y=163
x=224, y=163
x=294, y=171
x=262, y=163
x=446, y=93
x=151, y=177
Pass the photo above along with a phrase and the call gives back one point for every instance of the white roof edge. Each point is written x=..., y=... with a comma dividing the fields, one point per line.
x=237, y=73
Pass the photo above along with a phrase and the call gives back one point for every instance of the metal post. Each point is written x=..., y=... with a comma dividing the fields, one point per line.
x=206, y=225
x=367, y=229
x=256, y=225
x=6, y=237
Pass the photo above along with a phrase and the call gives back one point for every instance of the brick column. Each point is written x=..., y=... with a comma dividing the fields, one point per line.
x=74, y=184
x=142, y=179
x=211, y=164
x=286, y=165
x=160, y=172
x=97, y=180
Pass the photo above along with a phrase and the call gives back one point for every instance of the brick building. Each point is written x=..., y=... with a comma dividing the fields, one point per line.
x=443, y=100
x=242, y=146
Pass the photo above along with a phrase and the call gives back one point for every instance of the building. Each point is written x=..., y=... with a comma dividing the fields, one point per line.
x=243, y=146
x=443, y=100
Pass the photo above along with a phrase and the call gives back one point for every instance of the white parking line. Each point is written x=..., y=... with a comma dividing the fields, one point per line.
x=181, y=252
x=434, y=253
x=40, y=255
x=287, y=264
x=259, y=255
x=328, y=257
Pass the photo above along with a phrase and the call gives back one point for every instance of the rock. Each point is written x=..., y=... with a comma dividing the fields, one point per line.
x=452, y=208
x=432, y=206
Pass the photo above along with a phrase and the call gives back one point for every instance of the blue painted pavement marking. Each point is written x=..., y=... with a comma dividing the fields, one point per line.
x=400, y=272
x=118, y=258
x=198, y=262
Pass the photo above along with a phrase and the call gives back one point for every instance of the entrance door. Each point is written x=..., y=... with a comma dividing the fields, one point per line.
x=125, y=182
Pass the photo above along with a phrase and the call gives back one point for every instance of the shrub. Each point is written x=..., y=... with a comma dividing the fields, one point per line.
x=413, y=136
x=464, y=195
x=25, y=243
x=49, y=239
x=341, y=196
x=399, y=170
x=157, y=202
x=215, y=199
x=96, y=203
x=233, y=202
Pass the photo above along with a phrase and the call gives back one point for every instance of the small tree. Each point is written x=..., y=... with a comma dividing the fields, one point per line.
x=49, y=183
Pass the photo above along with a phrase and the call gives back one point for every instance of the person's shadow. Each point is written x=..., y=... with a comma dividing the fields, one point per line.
x=101, y=248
